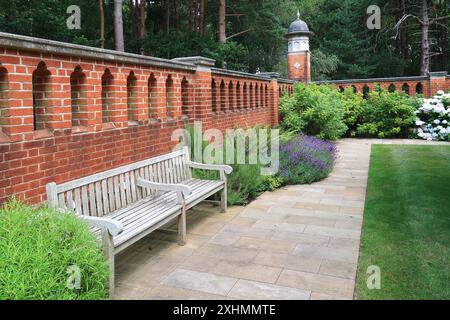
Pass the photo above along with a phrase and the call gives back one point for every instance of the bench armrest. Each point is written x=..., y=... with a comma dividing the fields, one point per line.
x=216, y=167
x=114, y=227
x=185, y=190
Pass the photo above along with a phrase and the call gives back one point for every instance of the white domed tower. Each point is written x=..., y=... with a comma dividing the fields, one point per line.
x=299, y=57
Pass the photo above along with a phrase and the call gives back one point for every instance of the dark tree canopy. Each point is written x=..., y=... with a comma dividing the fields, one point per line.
x=342, y=45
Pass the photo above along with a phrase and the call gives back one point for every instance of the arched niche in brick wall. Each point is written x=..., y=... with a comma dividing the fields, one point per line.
x=170, y=97
x=185, y=103
x=392, y=88
x=251, y=92
x=354, y=89
x=214, y=95
x=419, y=88
x=256, y=95
x=366, y=91
x=266, y=97
x=405, y=88
x=261, y=96
x=108, y=96
x=223, y=98
x=245, y=95
x=132, y=97
x=238, y=96
x=4, y=90
x=152, y=97
x=231, y=96
x=78, y=97
x=41, y=80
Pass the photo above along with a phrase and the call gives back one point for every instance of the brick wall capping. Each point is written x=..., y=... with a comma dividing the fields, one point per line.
x=439, y=74
x=372, y=80
x=198, y=61
x=273, y=75
x=14, y=41
x=286, y=81
x=232, y=73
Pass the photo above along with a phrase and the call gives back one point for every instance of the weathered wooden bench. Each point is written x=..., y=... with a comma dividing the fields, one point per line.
x=127, y=203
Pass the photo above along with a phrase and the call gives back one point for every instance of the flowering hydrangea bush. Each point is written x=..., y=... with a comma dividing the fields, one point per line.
x=434, y=117
x=305, y=159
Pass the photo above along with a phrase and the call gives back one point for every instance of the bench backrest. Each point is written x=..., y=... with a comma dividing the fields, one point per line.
x=102, y=193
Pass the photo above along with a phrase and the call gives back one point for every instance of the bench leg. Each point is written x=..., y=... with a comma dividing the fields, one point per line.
x=108, y=250
x=182, y=227
x=223, y=199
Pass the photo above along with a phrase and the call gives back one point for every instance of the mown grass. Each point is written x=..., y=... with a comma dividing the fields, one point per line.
x=406, y=228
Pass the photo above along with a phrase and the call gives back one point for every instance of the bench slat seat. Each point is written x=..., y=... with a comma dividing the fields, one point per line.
x=138, y=218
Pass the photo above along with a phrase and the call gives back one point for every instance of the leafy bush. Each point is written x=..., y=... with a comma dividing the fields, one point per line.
x=387, y=115
x=434, y=117
x=354, y=105
x=37, y=246
x=314, y=110
x=305, y=159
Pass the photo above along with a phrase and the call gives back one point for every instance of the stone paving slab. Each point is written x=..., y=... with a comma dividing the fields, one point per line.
x=263, y=291
x=299, y=242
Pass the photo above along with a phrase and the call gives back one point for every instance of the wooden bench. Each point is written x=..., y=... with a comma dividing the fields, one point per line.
x=127, y=203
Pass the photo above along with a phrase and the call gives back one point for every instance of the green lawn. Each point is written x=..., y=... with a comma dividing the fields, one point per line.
x=407, y=223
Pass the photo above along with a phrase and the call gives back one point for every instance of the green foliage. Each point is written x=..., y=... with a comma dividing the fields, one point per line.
x=323, y=66
x=354, y=105
x=327, y=113
x=37, y=246
x=446, y=102
x=387, y=115
x=314, y=110
x=271, y=183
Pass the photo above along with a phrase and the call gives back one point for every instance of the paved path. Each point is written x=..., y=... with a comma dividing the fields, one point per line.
x=300, y=242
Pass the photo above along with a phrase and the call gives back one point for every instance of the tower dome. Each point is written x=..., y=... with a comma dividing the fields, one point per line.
x=298, y=27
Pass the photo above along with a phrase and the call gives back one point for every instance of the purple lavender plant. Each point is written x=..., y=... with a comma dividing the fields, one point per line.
x=305, y=159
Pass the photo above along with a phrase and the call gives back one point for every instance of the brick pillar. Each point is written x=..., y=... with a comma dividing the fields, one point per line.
x=299, y=66
x=438, y=81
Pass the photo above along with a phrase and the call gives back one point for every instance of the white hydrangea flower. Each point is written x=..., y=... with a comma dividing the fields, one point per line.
x=444, y=121
x=436, y=121
x=419, y=122
x=440, y=93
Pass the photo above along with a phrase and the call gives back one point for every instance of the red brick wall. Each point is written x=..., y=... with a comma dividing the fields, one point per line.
x=429, y=85
x=399, y=85
x=82, y=131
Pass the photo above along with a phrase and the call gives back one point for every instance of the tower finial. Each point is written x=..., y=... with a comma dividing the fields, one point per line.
x=298, y=14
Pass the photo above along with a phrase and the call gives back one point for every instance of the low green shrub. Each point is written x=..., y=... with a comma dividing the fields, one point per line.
x=314, y=110
x=354, y=105
x=327, y=113
x=387, y=115
x=38, y=248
